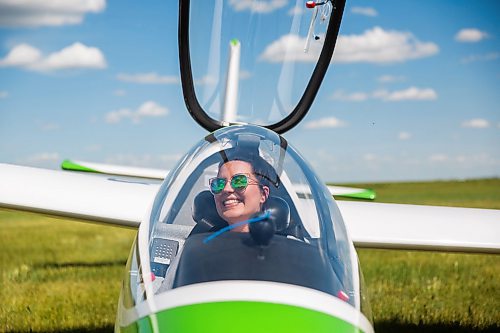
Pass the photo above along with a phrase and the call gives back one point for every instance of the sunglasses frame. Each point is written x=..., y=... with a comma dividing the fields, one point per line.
x=247, y=175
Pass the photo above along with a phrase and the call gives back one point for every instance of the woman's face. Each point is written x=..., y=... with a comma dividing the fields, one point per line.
x=237, y=206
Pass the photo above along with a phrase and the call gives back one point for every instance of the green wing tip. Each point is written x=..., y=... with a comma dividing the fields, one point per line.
x=71, y=166
x=235, y=41
x=365, y=194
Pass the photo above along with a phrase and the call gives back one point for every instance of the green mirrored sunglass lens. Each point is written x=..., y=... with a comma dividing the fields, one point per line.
x=239, y=182
x=218, y=184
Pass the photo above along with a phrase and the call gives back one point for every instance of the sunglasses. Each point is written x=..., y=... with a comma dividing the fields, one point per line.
x=238, y=182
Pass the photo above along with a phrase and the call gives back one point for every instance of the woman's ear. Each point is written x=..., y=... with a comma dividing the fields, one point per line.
x=265, y=194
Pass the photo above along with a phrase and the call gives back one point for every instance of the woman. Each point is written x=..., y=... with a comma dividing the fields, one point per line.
x=240, y=189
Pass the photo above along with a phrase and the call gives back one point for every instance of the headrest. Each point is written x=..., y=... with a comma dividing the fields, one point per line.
x=205, y=214
x=279, y=212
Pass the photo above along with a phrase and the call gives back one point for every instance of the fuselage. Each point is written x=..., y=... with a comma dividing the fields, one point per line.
x=179, y=278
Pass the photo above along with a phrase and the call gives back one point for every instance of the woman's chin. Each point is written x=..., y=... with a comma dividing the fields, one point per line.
x=233, y=217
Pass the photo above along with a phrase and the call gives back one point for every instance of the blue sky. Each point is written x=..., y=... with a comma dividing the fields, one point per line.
x=412, y=92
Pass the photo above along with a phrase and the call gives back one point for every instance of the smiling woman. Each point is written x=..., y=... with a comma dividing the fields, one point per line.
x=237, y=200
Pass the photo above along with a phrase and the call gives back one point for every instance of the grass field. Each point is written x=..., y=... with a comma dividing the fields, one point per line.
x=62, y=276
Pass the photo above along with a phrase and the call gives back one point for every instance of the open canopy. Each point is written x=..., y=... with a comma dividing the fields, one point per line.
x=255, y=62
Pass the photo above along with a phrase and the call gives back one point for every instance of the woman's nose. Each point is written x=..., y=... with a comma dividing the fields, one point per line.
x=228, y=187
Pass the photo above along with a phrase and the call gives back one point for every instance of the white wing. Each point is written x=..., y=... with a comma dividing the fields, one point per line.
x=150, y=173
x=112, y=169
x=412, y=227
x=372, y=225
x=74, y=195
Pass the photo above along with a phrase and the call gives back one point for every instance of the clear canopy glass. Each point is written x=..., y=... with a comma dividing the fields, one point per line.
x=309, y=246
x=251, y=61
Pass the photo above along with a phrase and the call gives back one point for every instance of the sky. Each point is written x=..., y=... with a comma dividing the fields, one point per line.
x=412, y=92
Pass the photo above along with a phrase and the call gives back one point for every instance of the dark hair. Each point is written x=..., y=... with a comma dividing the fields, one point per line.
x=264, y=171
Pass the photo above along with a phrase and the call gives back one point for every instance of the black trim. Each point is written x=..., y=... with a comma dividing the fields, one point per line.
x=201, y=117
x=193, y=106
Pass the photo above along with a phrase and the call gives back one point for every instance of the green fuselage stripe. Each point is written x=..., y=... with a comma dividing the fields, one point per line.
x=243, y=317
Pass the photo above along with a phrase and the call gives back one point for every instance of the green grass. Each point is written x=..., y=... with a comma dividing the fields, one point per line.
x=414, y=291
x=438, y=292
x=476, y=193
x=59, y=275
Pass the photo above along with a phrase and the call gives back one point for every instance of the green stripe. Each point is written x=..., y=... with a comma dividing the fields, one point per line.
x=71, y=166
x=245, y=317
x=366, y=194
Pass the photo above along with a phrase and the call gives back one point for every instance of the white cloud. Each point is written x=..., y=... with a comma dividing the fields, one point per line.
x=369, y=157
x=258, y=6
x=477, y=159
x=116, y=116
x=119, y=92
x=350, y=97
x=382, y=46
x=390, y=78
x=148, y=78
x=206, y=80
x=290, y=47
x=22, y=55
x=438, y=158
x=244, y=75
x=404, y=136
x=151, y=109
x=146, y=109
x=366, y=11
x=212, y=80
x=409, y=94
x=35, y=13
x=481, y=57
x=476, y=123
x=329, y=122
x=470, y=35
x=373, y=46
x=74, y=56
x=3, y=94
x=172, y=158
x=461, y=158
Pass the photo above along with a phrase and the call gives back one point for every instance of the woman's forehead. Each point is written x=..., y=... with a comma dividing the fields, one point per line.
x=233, y=167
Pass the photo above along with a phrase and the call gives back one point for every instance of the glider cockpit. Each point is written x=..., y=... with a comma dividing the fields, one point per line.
x=308, y=245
